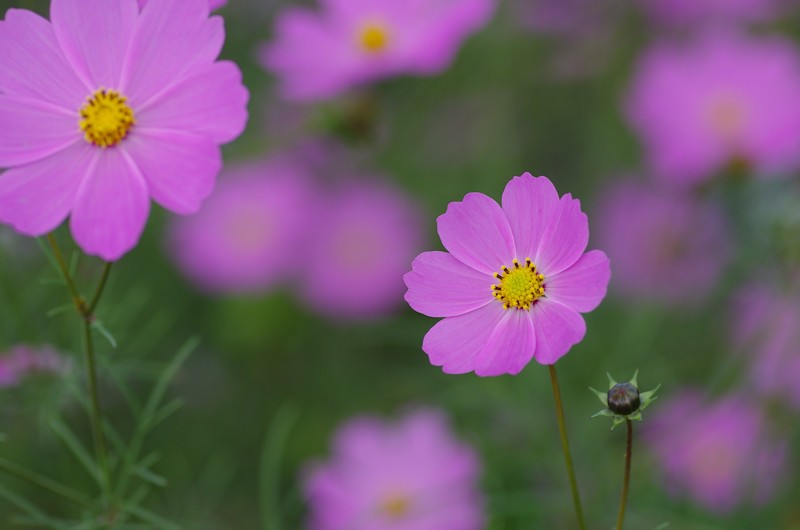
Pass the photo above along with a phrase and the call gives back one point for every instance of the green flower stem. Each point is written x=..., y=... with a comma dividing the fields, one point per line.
x=44, y=483
x=86, y=312
x=623, y=500
x=562, y=430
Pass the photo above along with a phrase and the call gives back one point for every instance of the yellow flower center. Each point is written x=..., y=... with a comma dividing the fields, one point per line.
x=106, y=118
x=395, y=506
x=726, y=115
x=520, y=286
x=373, y=37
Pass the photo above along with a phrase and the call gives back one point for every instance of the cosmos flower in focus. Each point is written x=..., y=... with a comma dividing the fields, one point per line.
x=365, y=233
x=722, y=100
x=212, y=4
x=666, y=246
x=683, y=13
x=513, y=283
x=105, y=108
x=411, y=474
x=23, y=361
x=321, y=54
x=722, y=454
x=765, y=329
x=249, y=234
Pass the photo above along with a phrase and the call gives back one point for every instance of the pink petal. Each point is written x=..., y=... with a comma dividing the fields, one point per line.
x=212, y=101
x=476, y=232
x=31, y=130
x=94, y=35
x=558, y=327
x=455, y=342
x=172, y=39
x=441, y=286
x=529, y=203
x=112, y=206
x=510, y=347
x=32, y=63
x=37, y=197
x=564, y=239
x=180, y=168
x=582, y=286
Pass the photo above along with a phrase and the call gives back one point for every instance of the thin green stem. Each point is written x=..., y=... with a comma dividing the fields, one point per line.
x=623, y=500
x=86, y=312
x=44, y=483
x=562, y=430
x=98, y=292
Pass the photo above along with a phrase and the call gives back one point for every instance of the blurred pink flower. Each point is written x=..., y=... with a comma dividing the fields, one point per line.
x=22, y=361
x=319, y=55
x=722, y=455
x=408, y=475
x=248, y=235
x=364, y=235
x=106, y=108
x=765, y=328
x=682, y=13
x=213, y=4
x=665, y=245
x=514, y=282
x=723, y=99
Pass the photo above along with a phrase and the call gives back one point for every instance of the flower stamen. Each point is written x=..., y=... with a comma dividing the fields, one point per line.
x=106, y=118
x=519, y=287
x=373, y=37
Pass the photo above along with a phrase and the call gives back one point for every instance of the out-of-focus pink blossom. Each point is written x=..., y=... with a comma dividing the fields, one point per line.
x=250, y=234
x=721, y=99
x=212, y=4
x=365, y=232
x=412, y=474
x=24, y=361
x=321, y=54
x=722, y=454
x=665, y=245
x=766, y=329
x=683, y=13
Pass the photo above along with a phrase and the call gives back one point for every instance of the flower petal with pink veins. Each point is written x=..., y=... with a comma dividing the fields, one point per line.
x=180, y=168
x=211, y=101
x=31, y=130
x=476, y=232
x=32, y=63
x=439, y=285
x=582, y=286
x=529, y=203
x=564, y=239
x=111, y=207
x=558, y=327
x=94, y=35
x=36, y=198
x=510, y=347
x=163, y=51
x=454, y=343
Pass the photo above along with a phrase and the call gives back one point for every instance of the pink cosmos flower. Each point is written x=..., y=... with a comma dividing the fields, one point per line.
x=408, y=475
x=212, y=4
x=722, y=99
x=107, y=107
x=366, y=231
x=249, y=234
x=765, y=327
x=721, y=454
x=682, y=13
x=514, y=282
x=666, y=246
x=319, y=55
x=23, y=361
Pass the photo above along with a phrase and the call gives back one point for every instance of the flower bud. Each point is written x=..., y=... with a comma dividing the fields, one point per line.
x=623, y=399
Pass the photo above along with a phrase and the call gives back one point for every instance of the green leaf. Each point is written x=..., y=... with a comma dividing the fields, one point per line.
x=274, y=444
x=100, y=328
x=76, y=447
